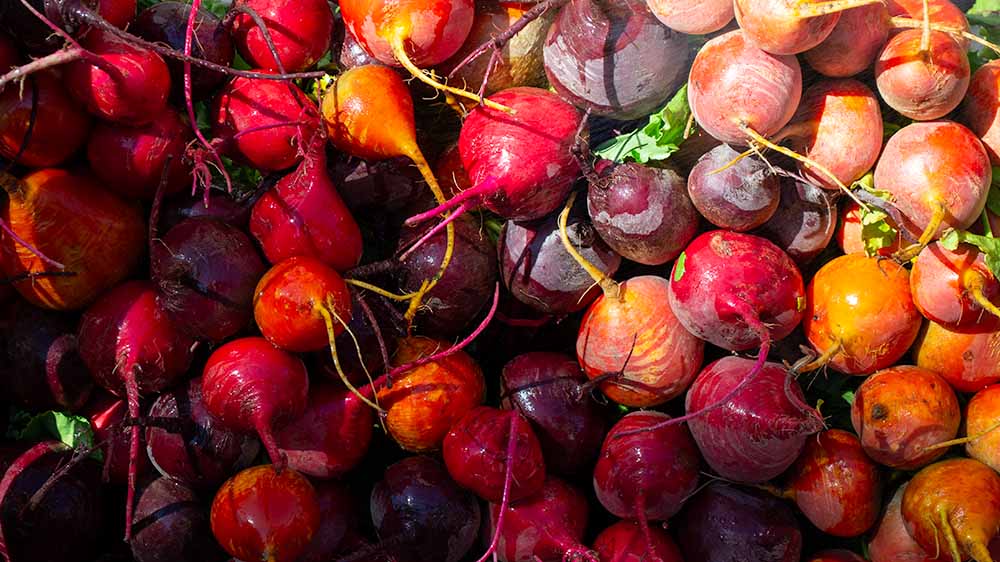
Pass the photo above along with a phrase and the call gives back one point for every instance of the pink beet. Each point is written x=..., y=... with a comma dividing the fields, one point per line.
x=548, y=525
x=300, y=32
x=625, y=542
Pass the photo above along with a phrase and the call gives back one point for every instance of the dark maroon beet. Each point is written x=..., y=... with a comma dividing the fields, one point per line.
x=467, y=284
x=384, y=185
x=548, y=389
x=646, y=475
x=728, y=524
x=171, y=525
x=220, y=207
x=333, y=434
x=643, y=213
x=66, y=521
x=804, y=222
x=166, y=22
x=203, y=454
x=420, y=514
x=546, y=526
x=614, y=57
x=757, y=434
x=106, y=414
x=539, y=272
x=366, y=328
x=338, y=524
x=477, y=451
x=207, y=271
x=43, y=369
x=740, y=197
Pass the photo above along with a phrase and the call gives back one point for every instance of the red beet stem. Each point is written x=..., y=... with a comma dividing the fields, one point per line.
x=640, y=514
x=84, y=54
x=508, y=477
x=38, y=253
x=57, y=58
x=257, y=128
x=132, y=397
x=475, y=194
x=278, y=459
x=465, y=206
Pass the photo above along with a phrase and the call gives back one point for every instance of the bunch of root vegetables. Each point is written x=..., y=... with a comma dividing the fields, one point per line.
x=459, y=281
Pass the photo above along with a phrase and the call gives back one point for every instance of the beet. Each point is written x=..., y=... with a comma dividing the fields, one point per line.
x=786, y=28
x=420, y=514
x=979, y=110
x=955, y=287
x=365, y=185
x=892, y=542
x=61, y=123
x=759, y=432
x=366, y=328
x=479, y=448
x=44, y=370
x=172, y=525
x=204, y=454
x=642, y=212
x=337, y=523
x=331, y=437
x=548, y=389
x=106, y=415
x=166, y=22
x=613, y=58
x=646, y=476
x=804, y=222
x=300, y=33
x=548, y=525
x=131, y=160
x=624, y=542
x=70, y=509
x=853, y=44
x=968, y=361
x=264, y=514
x=740, y=197
x=538, y=270
x=922, y=84
x=694, y=17
x=756, y=528
x=206, y=271
x=981, y=418
x=836, y=485
x=220, y=207
x=303, y=215
x=838, y=555
x=901, y=412
x=251, y=386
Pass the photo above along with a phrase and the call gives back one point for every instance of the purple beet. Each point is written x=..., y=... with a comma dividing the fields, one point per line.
x=740, y=197
x=549, y=390
x=538, y=270
x=383, y=185
x=206, y=271
x=202, y=454
x=64, y=522
x=171, y=525
x=220, y=207
x=338, y=525
x=758, y=433
x=728, y=524
x=804, y=222
x=366, y=328
x=643, y=213
x=614, y=58
x=421, y=514
x=43, y=370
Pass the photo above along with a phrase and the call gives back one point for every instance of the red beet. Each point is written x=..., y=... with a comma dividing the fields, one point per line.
x=264, y=514
x=642, y=212
x=61, y=124
x=303, y=215
x=735, y=87
x=901, y=412
x=133, y=92
x=106, y=414
x=921, y=84
x=548, y=525
x=251, y=386
x=805, y=221
x=70, y=510
x=758, y=527
x=421, y=515
x=206, y=272
x=624, y=542
x=740, y=197
x=892, y=542
x=759, y=432
x=968, y=361
x=479, y=448
x=853, y=44
x=203, y=454
x=836, y=485
x=332, y=436
x=955, y=288
x=172, y=525
x=649, y=475
x=44, y=370
x=264, y=122
x=166, y=22
x=300, y=32
x=613, y=58
x=548, y=390
x=131, y=160
x=694, y=17
x=537, y=269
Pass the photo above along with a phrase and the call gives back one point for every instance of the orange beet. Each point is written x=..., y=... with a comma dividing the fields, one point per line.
x=425, y=401
x=981, y=418
x=72, y=220
x=901, y=412
x=969, y=361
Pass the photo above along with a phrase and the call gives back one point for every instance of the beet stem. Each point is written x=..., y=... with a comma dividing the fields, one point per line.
x=79, y=455
x=962, y=440
x=383, y=349
x=608, y=285
x=399, y=50
x=27, y=275
x=817, y=9
x=38, y=254
x=262, y=26
x=508, y=477
x=975, y=283
x=926, y=237
x=476, y=193
x=949, y=535
x=86, y=55
x=132, y=397
x=380, y=291
x=57, y=58
x=268, y=126
x=329, y=314
x=154, y=212
x=465, y=206
x=380, y=267
x=278, y=458
x=201, y=171
x=909, y=23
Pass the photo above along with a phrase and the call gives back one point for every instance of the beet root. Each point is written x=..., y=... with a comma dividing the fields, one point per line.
x=172, y=525
x=300, y=33
x=981, y=418
x=740, y=197
x=804, y=223
x=60, y=125
x=968, y=361
x=548, y=525
x=854, y=43
x=624, y=542
x=892, y=542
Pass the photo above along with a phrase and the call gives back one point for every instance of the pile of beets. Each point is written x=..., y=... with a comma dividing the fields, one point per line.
x=457, y=281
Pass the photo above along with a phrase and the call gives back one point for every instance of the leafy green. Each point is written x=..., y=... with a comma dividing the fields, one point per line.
x=680, y=267
x=986, y=15
x=988, y=245
x=75, y=431
x=993, y=199
x=876, y=231
x=658, y=139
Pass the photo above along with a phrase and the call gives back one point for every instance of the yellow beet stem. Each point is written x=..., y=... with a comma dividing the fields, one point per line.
x=608, y=285
x=332, y=337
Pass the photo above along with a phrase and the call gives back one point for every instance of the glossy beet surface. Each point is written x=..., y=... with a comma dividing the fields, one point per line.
x=300, y=33
x=968, y=361
x=61, y=123
x=624, y=542
x=421, y=515
x=548, y=525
